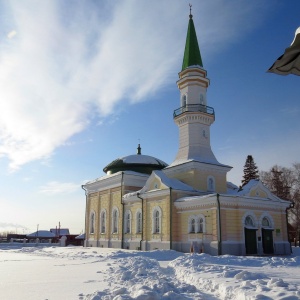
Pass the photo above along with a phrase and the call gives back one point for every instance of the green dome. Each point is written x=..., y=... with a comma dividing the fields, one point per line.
x=136, y=163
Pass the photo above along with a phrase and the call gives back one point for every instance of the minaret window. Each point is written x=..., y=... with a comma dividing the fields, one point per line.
x=184, y=100
x=201, y=99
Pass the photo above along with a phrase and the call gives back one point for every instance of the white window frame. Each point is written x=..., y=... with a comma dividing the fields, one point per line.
x=127, y=221
x=92, y=222
x=211, y=184
x=139, y=221
x=103, y=221
x=201, y=224
x=269, y=218
x=156, y=220
x=190, y=224
x=115, y=220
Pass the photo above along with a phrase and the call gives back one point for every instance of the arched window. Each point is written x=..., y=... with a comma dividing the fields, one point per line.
x=156, y=220
x=115, y=217
x=201, y=225
x=127, y=222
x=139, y=221
x=210, y=184
x=92, y=222
x=265, y=222
x=249, y=222
x=103, y=221
x=192, y=226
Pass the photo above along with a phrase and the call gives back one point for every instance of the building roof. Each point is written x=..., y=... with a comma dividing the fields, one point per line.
x=192, y=54
x=60, y=231
x=137, y=163
x=41, y=234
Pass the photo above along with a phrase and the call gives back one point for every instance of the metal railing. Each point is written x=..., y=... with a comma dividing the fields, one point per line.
x=194, y=108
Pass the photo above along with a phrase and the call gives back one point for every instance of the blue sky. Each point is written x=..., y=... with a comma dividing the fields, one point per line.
x=82, y=84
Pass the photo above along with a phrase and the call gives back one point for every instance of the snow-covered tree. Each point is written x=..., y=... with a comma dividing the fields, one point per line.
x=250, y=170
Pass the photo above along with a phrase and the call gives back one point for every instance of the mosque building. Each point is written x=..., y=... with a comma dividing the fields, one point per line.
x=144, y=204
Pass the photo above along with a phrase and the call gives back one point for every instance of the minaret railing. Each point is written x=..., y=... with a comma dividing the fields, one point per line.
x=194, y=108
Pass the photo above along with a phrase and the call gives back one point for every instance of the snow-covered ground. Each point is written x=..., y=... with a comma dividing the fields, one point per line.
x=98, y=273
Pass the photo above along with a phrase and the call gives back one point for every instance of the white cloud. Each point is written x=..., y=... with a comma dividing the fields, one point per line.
x=66, y=64
x=11, y=34
x=54, y=187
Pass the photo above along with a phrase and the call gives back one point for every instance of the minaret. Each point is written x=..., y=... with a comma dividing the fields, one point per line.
x=195, y=164
x=193, y=117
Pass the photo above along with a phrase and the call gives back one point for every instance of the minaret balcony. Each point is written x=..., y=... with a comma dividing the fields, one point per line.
x=194, y=108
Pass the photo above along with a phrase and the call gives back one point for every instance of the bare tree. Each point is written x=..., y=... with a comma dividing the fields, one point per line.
x=285, y=184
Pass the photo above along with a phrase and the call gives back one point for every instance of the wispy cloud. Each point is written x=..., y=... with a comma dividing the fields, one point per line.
x=11, y=227
x=54, y=187
x=67, y=64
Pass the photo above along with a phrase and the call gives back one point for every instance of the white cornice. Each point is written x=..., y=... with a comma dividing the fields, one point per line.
x=231, y=201
x=185, y=166
x=115, y=180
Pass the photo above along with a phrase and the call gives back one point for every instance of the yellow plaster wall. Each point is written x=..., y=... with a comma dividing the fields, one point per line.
x=133, y=209
x=198, y=179
x=233, y=228
x=93, y=207
x=181, y=226
x=164, y=205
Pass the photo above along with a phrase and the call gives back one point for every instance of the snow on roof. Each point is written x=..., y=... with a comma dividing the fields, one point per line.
x=212, y=161
x=80, y=237
x=115, y=174
x=60, y=231
x=195, y=198
x=41, y=234
x=173, y=183
x=141, y=159
x=247, y=187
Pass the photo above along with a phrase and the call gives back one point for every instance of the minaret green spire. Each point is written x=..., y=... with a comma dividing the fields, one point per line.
x=191, y=52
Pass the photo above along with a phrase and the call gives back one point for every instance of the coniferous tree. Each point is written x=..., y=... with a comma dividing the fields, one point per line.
x=250, y=170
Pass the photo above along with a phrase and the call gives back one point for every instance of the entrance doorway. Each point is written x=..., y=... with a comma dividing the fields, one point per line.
x=250, y=241
x=267, y=241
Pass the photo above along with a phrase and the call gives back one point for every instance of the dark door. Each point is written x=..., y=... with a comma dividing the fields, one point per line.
x=250, y=241
x=267, y=241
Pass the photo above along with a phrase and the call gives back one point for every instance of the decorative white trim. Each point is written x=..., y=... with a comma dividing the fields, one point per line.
x=265, y=214
x=253, y=217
